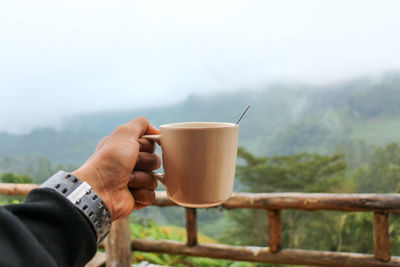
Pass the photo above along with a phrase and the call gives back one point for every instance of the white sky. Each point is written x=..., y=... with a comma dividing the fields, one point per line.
x=63, y=58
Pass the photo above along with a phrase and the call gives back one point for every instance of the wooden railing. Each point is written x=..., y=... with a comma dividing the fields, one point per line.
x=118, y=246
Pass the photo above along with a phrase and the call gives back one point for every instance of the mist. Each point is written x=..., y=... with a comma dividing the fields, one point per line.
x=62, y=59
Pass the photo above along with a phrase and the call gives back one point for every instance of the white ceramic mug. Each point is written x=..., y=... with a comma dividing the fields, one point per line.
x=199, y=160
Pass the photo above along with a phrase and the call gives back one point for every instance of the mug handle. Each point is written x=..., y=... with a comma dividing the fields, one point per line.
x=156, y=138
x=153, y=137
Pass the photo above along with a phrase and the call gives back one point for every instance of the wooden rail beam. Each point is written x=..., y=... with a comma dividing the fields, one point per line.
x=260, y=254
x=381, y=236
x=16, y=189
x=273, y=201
x=274, y=230
x=305, y=201
x=191, y=226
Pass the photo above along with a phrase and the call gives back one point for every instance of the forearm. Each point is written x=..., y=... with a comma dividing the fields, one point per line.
x=46, y=230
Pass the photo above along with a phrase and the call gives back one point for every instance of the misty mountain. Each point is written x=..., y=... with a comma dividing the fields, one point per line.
x=283, y=119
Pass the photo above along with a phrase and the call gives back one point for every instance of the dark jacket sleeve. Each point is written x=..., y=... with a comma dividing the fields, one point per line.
x=46, y=230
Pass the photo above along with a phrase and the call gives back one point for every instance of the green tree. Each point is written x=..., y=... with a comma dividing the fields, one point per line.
x=357, y=152
x=382, y=173
x=293, y=173
x=10, y=177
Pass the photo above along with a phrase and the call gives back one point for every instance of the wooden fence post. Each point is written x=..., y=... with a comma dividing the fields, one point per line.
x=191, y=226
x=274, y=228
x=118, y=244
x=381, y=236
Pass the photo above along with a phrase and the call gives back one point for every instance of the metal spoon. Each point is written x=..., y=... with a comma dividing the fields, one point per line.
x=241, y=116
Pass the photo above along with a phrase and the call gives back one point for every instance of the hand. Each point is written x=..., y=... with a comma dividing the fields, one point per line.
x=119, y=169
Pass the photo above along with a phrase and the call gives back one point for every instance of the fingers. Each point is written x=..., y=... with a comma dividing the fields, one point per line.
x=148, y=161
x=146, y=145
x=143, y=197
x=139, y=179
x=139, y=206
x=142, y=185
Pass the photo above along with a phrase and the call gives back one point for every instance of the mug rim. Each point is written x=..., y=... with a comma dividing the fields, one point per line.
x=197, y=125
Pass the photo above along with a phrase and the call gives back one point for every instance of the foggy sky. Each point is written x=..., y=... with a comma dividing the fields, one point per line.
x=58, y=59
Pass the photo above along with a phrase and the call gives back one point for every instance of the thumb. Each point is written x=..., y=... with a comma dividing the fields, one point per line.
x=141, y=126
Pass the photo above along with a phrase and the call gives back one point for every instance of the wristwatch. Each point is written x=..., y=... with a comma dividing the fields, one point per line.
x=83, y=197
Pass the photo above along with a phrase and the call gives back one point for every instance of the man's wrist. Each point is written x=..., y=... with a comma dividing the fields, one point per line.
x=90, y=175
x=80, y=194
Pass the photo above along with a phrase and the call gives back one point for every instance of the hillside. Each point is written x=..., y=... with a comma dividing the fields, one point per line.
x=284, y=119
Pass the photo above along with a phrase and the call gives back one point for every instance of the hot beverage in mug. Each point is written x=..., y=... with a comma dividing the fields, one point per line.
x=199, y=160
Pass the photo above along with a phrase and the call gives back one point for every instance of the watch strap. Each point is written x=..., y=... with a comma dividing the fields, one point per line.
x=83, y=197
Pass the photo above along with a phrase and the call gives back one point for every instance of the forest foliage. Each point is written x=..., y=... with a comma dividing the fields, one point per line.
x=322, y=230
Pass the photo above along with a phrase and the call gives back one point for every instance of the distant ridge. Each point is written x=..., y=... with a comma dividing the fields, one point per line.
x=283, y=119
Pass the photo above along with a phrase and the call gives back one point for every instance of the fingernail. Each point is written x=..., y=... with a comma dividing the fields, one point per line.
x=131, y=177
